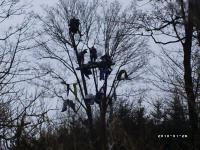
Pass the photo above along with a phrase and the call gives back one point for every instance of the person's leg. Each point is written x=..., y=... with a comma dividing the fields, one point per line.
x=107, y=73
x=101, y=74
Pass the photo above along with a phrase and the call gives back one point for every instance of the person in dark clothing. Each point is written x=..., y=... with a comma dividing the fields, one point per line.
x=74, y=26
x=107, y=60
x=104, y=73
x=105, y=67
x=93, y=54
x=81, y=56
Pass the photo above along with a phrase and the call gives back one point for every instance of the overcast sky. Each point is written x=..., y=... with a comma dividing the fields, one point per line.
x=37, y=6
x=38, y=3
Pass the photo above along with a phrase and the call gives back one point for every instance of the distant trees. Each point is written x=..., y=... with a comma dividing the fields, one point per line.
x=131, y=128
x=10, y=46
x=174, y=21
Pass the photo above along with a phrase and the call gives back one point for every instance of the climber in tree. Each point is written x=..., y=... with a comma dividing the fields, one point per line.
x=93, y=54
x=105, y=67
x=106, y=59
x=74, y=26
x=81, y=56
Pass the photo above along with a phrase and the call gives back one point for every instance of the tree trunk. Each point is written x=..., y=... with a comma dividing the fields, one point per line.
x=189, y=87
x=190, y=95
x=103, y=119
x=88, y=107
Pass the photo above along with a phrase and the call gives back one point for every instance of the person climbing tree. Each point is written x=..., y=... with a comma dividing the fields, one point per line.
x=105, y=67
x=106, y=59
x=81, y=56
x=93, y=54
x=74, y=26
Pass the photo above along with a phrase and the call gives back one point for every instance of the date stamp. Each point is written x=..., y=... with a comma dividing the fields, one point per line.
x=172, y=136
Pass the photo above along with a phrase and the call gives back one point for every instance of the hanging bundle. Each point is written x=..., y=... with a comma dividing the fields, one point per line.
x=99, y=95
x=75, y=90
x=122, y=75
x=98, y=98
x=89, y=99
x=69, y=103
x=68, y=87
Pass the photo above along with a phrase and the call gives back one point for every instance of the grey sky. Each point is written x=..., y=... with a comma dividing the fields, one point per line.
x=38, y=3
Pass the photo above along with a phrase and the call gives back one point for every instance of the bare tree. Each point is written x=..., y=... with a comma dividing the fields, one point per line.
x=17, y=107
x=104, y=26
